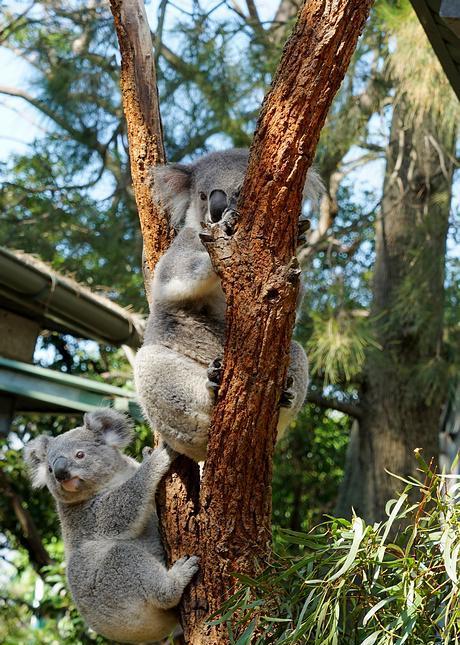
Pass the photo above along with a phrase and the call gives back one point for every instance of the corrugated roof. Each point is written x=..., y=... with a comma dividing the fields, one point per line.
x=37, y=389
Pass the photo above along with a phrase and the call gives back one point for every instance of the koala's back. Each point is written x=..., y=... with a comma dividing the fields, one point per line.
x=111, y=582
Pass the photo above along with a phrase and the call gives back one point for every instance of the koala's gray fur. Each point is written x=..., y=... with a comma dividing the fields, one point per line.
x=106, y=503
x=186, y=327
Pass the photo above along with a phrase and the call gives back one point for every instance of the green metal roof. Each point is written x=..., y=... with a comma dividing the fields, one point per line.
x=37, y=389
x=441, y=22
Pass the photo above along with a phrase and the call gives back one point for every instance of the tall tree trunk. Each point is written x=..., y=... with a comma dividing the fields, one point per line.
x=231, y=528
x=405, y=382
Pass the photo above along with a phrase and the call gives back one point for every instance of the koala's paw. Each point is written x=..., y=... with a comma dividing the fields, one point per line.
x=288, y=395
x=146, y=452
x=186, y=567
x=214, y=373
x=229, y=220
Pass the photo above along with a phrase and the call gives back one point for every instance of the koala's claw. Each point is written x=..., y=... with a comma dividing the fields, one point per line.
x=214, y=373
x=287, y=396
x=304, y=225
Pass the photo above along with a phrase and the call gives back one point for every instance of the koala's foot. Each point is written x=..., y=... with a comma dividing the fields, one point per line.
x=214, y=373
x=287, y=396
x=185, y=568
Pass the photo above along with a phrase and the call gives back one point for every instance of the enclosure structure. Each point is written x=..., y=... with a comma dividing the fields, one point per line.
x=33, y=297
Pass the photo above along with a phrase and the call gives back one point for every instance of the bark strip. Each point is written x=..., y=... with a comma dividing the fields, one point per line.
x=141, y=108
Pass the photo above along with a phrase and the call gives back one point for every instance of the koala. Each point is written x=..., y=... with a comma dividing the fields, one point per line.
x=177, y=370
x=106, y=502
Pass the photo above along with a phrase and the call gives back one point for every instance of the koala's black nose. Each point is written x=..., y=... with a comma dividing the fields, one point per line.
x=217, y=204
x=60, y=469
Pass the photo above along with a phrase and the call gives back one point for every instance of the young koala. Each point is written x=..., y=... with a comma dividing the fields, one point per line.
x=106, y=502
x=178, y=368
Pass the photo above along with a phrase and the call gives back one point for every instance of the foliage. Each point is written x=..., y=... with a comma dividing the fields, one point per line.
x=391, y=583
x=308, y=467
x=40, y=610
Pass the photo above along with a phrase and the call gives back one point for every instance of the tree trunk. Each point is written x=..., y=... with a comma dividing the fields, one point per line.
x=28, y=535
x=231, y=527
x=405, y=382
x=260, y=281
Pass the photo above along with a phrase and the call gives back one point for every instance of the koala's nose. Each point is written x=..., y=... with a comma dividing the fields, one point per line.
x=217, y=204
x=60, y=469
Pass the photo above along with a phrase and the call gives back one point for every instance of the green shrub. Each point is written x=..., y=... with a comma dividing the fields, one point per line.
x=350, y=583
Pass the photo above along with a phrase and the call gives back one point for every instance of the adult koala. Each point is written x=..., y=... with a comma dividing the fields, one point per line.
x=177, y=370
x=106, y=503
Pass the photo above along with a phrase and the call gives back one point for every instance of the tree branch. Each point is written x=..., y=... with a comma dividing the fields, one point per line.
x=141, y=107
x=254, y=258
x=334, y=404
x=30, y=537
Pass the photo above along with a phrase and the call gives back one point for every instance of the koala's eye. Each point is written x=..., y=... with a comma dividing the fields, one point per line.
x=203, y=197
x=50, y=470
x=80, y=454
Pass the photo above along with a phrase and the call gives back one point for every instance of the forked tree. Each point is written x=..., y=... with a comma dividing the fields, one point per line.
x=226, y=518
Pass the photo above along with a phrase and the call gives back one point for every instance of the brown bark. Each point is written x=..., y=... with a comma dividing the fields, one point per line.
x=260, y=281
x=405, y=382
x=141, y=108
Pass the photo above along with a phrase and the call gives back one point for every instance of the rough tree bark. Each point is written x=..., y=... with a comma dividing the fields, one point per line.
x=142, y=112
x=230, y=529
x=404, y=386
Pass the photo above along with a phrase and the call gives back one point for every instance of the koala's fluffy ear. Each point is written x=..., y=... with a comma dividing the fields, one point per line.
x=172, y=184
x=35, y=456
x=110, y=427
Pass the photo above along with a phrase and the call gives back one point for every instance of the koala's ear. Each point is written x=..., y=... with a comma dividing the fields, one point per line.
x=172, y=186
x=314, y=187
x=35, y=456
x=110, y=427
